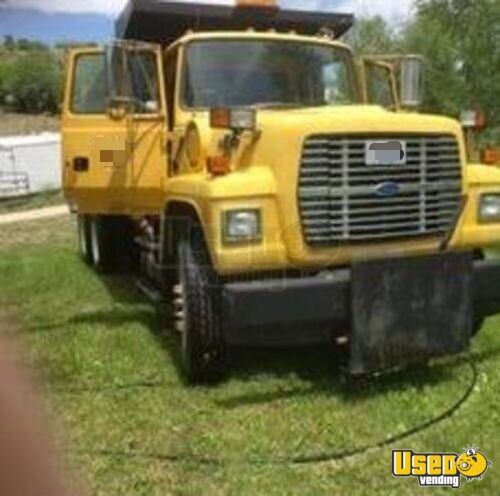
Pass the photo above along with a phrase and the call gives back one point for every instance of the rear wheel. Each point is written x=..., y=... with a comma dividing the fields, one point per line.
x=84, y=241
x=198, y=312
x=111, y=243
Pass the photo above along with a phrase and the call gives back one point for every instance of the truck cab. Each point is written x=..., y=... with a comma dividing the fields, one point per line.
x=272, y=186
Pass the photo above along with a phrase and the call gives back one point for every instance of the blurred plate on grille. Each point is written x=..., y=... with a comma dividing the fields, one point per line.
x=385, y=152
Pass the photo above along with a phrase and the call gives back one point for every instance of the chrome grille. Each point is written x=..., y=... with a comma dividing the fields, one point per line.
x=337, y=190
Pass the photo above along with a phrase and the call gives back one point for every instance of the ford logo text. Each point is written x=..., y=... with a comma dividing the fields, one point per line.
x=387, y=190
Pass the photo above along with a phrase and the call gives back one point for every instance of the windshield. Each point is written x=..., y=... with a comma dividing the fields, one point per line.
x=227, y=73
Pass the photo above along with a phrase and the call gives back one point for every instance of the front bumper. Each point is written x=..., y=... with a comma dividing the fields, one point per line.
x=317, y=309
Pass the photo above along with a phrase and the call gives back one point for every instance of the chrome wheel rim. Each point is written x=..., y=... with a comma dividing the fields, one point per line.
x=81, y=237
x=96, y=255
x=181, y=321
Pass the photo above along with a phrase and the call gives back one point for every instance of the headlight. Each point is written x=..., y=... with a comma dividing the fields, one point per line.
x=242, y=226
x=489, y=209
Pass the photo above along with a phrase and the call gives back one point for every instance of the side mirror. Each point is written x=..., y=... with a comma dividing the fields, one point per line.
x=412, y=81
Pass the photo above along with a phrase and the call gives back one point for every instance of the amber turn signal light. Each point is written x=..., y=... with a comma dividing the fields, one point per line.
x=262, y=4
x=219, y=165
x=220, y=118
x=492, y=156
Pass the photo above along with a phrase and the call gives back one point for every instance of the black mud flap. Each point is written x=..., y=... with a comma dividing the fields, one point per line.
x=410, y=309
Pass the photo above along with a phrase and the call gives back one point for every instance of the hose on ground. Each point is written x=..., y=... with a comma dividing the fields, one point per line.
x=299, y=459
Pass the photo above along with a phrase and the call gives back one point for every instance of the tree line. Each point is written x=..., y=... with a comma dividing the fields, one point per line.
x=30, y=75
x=460, y=40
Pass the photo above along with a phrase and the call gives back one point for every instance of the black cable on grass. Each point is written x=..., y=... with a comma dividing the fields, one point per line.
x=301, y=459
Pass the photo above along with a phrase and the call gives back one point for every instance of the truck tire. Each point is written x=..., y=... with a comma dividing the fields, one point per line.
x=477, y=324
x=84, y=242
x=478, y=319
x=102, y=245
x=111, y=243
x=198, y=316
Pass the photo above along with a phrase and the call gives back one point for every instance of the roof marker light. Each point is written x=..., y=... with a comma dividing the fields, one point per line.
x=261, y=4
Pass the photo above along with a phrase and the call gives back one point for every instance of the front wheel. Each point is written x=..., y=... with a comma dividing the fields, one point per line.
x=198, y=312
x=477, y=324
x=479, y=319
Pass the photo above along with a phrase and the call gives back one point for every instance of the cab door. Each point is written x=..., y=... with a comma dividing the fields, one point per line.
x=380, y=84
x=114, y=130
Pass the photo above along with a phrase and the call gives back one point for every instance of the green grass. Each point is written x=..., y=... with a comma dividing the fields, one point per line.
x=31, y=202
x=108, y=365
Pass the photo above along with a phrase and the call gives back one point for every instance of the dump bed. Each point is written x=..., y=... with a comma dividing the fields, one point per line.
x=165, y=21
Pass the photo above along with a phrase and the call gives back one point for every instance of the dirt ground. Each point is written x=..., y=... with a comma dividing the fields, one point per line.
x=13, y=124
x=55, y=232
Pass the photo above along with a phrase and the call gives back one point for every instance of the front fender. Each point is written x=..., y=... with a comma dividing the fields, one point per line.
x=480, y=179
x=252, y=187
x=480, y=175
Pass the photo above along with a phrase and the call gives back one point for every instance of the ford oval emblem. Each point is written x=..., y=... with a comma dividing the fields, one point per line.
x=387, y=190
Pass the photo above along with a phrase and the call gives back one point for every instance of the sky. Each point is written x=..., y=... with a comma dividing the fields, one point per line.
x=92, y=20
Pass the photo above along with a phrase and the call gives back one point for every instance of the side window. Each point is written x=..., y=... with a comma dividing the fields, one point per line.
x=89, y=86
x=379, y=86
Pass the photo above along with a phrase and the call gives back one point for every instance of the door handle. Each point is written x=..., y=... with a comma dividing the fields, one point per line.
x=81, y=164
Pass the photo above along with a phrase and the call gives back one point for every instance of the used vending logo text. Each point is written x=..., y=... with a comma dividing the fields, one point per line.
x=440, y=469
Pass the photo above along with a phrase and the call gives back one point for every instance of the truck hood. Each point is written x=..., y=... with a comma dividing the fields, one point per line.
x=353, y=119
x=283, y=132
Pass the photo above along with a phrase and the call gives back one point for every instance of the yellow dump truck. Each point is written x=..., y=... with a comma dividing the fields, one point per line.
x=276, y=188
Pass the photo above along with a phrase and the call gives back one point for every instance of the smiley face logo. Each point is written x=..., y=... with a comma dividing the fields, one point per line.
x=472, y=464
